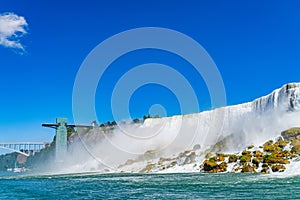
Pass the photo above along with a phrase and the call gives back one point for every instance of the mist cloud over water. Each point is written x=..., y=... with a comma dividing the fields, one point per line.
x=241, y=125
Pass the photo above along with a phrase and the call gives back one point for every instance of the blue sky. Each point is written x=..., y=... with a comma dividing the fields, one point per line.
x=255, y=45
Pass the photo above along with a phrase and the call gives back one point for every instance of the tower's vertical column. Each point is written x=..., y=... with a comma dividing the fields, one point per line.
x=61, y=139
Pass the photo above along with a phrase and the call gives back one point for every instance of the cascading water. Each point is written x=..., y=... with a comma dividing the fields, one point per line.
x=140, y=144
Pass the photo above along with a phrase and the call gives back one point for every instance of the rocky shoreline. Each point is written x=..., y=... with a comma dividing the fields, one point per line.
x=272, y=156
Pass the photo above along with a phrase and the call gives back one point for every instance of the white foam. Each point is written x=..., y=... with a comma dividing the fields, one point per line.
x=247, y=124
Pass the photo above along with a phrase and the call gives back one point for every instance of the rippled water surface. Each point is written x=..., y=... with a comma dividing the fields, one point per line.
x=150, y=186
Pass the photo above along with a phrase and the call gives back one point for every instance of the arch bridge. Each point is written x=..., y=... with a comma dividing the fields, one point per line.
x=24, y=148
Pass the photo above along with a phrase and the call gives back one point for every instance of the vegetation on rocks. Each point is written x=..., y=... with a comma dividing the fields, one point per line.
x=272, y=156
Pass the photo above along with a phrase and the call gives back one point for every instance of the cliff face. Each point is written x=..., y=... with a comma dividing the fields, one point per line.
x=286, y=98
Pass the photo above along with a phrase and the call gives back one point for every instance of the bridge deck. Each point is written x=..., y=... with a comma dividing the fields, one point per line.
x=22, y=143
x=24, y=148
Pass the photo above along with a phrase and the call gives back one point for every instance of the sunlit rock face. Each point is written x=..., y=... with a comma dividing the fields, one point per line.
x=286, y=98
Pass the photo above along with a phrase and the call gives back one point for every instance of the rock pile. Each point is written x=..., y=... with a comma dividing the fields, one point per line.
x=271, y=156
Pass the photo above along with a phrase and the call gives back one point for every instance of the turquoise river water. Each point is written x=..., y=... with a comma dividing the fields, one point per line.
x=149, y=186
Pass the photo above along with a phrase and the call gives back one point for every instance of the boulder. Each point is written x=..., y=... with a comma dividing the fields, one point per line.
x=265, y=165
x=245, y=158
x=148, y=155
x=196, y=147
x=270, y=147
x=265, y=170
x=162, y=160
x=209, y=165
x=296, y=149
x=208, y=155
x=232, y=158
x=281, y=143
x=248, y=169
x=147, y=169
x=129, y=162
x=286, y=153
x=172, y=164
x=222, y=167
x=221, y=157
x=290, y=133
x=256, y=161
x=218, y=158
x=278, y=168
x=295, y=142
x=190, y=158
x=273, y=159
x=246, y=152
x=213, y=167
x=258, y=154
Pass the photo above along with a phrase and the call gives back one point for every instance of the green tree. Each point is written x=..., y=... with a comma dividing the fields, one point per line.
x=136, y=120
x=70, y=131
x=146, y=117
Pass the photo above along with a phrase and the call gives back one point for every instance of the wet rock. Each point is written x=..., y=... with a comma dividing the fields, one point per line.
x=295, y=149
x=209, y=165
x=273, y=159
x=162, y=160
x=129, y=162
x=148, y=155
x=220, y=146
x=221, y=157
x=172, y=164
x=273, y=155
x=218, y=158
x=246, y=152
x=295, y=142
x=223, y=167
x=148, y=168
x=245, y=158
x=286, y=153
x=278, y=168
x=281, y=143
x=248, y=169
x=151, y=154
x=270, y=147
x=225, y=143
x=232, y=158
x=290, y=133
x=190, y=158
x=256, y=161
x=258, y=154
x=208, y=155
x=213, y=167
x=265, y=170
x=196, y=147
x=185, y=153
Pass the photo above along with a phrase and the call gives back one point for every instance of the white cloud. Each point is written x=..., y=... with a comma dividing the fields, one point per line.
x=12, y=28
